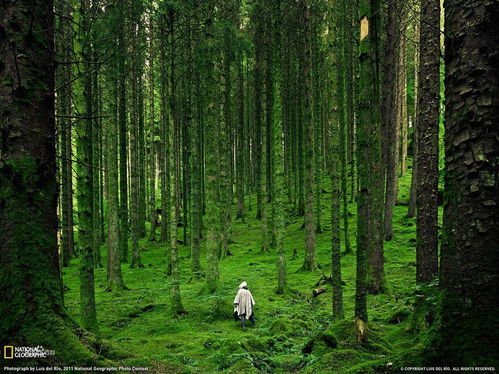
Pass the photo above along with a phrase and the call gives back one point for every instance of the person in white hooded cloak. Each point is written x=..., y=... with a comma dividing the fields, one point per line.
x=243, y=304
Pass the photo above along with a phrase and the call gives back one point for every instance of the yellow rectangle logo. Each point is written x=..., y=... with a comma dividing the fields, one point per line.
x=8, y=351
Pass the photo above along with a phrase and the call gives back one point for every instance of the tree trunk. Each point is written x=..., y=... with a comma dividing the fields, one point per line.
x=134, y=144
x=211, y=152
x=390, y=109
x=411, y=212
x=342, y=105
x=67, y=237
x=32, y=304
x=258, y=92
x=152, y=138
x=96, y=167
x=114, y=277
x=428, y=124
x=375, y=273
x=196, y=177
x=123, y=149
x=83, y=88
x=310, y=255
x=468, y=331
x=334, y=150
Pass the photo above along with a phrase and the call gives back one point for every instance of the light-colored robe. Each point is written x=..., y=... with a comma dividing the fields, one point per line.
x=245, y=302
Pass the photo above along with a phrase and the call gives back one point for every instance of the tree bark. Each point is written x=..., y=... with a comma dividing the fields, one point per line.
x=470, y=259
x=310, y=262
x=390, y=109
x=83, y=88
x=32, y=303
x=427, y=157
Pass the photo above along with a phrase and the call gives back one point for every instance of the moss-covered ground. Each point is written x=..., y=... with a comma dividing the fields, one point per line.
x=293, y=332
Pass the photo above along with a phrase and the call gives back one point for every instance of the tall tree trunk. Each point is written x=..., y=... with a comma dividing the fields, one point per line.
x=375, y=275
x=176, y=299
x=258, y=92
x=224, y=141
x=96, y=169
x=342, y=105
x=164, y=147
x=134, y=145
x=279, y=196
x=196, y=177
x=153, y=215
x=368, y=276
x=32, y=304
x=334, y=150
x=390, y=110
x=83, y=88
x=114, y=277
x=240, y=138
x=67, y=239
x=470, y=259
x=310, y=255
x=350, y=87
x=211, y=156
x=122, y=105
x=428, y=124
x=402, y=93
x=411, y=211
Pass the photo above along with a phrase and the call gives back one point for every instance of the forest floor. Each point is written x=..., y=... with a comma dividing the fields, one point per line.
x=293, y=332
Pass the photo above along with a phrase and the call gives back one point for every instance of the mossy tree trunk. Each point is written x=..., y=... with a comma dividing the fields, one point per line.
x=67, y=234
x=258, y=106
x=375, y=270
x=211, y=157
x=279, y=195
x=391, y=130
x=153, y=216
x=411, y=211
x=134, y=141
x=164, y=147
x=96, y=165
x=114, y=276
x=368, y=272
x=334, y=149
x=32, y=304
x=123, y=130
x=310, y=262
x=342, y=113
x=83, y=92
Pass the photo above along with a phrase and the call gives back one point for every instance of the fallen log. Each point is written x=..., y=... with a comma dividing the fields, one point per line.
x=318, y=291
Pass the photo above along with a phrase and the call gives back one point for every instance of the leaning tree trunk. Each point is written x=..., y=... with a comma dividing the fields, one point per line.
x=468, y=329
x=32, y=305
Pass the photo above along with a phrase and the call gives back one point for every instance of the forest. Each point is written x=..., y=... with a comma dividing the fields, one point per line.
x=333, y=163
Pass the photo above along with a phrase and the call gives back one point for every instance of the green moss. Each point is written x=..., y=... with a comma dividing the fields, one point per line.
x=208, y=340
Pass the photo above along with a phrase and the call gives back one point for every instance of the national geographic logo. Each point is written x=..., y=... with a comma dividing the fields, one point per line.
x=10, y=352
